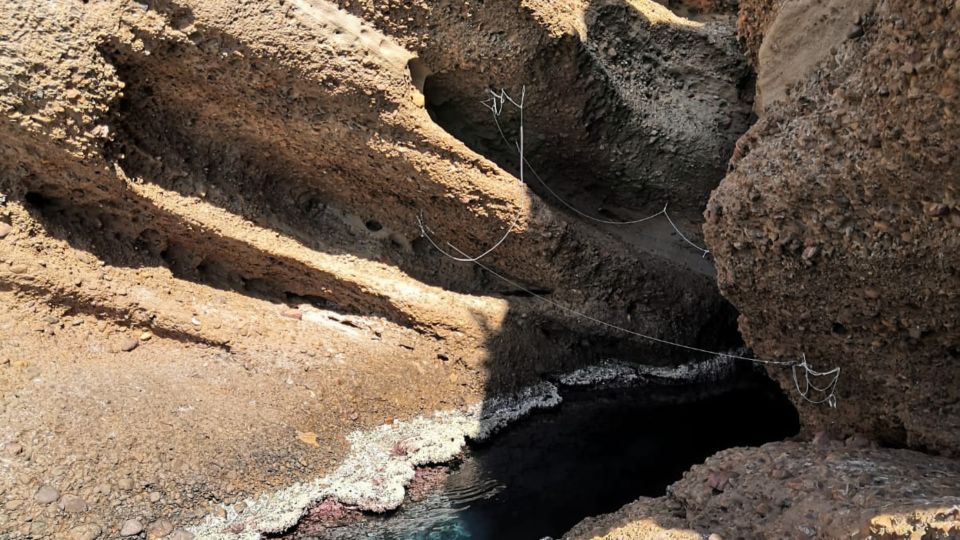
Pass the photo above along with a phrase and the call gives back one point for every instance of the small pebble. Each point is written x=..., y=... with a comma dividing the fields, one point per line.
x=19, y=269
x=4, y=230
x=129, y=344
x=46, y=495
x=937, y=209
x=86, y=532
x=125, y=483
x=146, y=336
x=180, y=534
x=12, y=449
x=131, y=527
x=292, y=314
x=155, y=496
x=73, y=504
x=159, y=529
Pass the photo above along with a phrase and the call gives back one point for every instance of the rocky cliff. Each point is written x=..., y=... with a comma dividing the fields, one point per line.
x=836, y=236
x=213, y=267
x=836, y=230
x=221, y=228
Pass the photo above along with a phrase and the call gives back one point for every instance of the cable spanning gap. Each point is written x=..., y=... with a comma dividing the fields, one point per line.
x=828, y=392
x=503, y=98
x=495, y=103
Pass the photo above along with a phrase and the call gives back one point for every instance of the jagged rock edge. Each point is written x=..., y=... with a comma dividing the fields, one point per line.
x=382, y=461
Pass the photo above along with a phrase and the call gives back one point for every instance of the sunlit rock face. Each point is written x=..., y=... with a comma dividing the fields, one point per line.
x=836, y=231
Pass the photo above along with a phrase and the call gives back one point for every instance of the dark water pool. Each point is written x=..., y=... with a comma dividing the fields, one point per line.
x=596, y=452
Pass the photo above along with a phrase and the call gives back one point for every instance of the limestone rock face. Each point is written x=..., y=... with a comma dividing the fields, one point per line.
x=837, y=231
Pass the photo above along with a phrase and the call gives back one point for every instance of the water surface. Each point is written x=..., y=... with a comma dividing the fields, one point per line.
x=597, y=451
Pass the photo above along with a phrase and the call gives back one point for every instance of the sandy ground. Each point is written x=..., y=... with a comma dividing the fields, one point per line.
x=175, y=427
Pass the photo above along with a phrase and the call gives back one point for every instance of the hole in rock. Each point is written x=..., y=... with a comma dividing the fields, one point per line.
x=37, y=200
x=595, y=452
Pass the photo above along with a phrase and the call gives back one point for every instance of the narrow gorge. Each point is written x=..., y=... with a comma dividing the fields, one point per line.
x=618, y=269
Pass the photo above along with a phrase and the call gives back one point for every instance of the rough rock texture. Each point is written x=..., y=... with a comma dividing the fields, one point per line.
x=797, y=490
x=650, y=107
x=211, y=268
x=837, y=231
x=836, y=235
x=753, y=19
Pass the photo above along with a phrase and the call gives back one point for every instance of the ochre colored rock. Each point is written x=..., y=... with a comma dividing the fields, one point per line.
x=859, y=155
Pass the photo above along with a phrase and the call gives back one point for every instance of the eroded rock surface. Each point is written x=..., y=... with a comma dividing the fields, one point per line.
x=826, y=489
x=628, y=104
x=836, y=233
x=212, y=269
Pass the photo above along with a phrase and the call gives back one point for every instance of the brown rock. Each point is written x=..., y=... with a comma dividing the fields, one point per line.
x=292, y=314
x=12, y=449
x=129, y=344
x=822, y=130
x=4, y=230
x=46, y=495
x=718, y=480
x=159, y=529
x=73, y=504
x=936, y=209
x=830, y=489
x=131, y=527
x=180, y=534
x=86, y=532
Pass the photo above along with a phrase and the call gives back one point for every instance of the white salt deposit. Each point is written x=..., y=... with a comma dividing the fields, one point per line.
x=383, y=460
